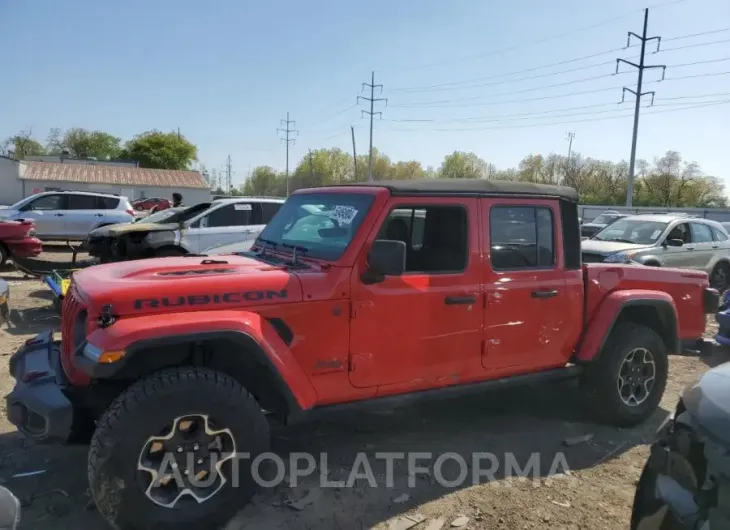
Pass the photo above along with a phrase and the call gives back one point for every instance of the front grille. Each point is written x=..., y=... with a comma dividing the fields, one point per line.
x=73, y=322
x=589, y=257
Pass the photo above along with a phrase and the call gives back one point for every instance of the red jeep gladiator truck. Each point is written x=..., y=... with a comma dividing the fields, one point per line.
x=369, y=294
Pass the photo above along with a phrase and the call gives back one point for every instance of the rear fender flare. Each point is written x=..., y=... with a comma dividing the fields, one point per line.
x=610, y=310
x=253, y=332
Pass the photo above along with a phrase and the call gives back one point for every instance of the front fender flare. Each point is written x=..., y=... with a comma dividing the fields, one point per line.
x=133, y=335
x=604, y=319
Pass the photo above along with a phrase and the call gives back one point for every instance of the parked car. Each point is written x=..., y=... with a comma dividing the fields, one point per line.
x=17, y=239
x=685, y=484
x=187, y=231
x=599, y=223
x=181, y=356
x=147, y=204
x=62, y=215
x=665, y=240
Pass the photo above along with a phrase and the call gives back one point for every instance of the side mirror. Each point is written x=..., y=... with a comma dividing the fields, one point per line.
x=9, y=510
x=675, y=242
x=386, y=258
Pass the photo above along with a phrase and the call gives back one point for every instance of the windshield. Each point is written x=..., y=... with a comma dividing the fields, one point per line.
x=321, y=225
x=604, y=219
x=635, y=231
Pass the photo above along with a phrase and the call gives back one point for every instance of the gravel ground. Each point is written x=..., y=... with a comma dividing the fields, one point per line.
x=597, y=492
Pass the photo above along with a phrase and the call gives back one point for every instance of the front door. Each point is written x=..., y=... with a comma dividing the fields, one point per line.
x=530, y=316
x=231, y=223
x=48, y=213
x=423, y=328
x=678, y=257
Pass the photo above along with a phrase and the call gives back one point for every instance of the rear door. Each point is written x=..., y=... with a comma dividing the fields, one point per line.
x=531, y=316
x=49, y=214
x=83, y=214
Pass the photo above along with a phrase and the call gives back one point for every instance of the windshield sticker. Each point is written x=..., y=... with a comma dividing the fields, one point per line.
x=656, y=234
x=343, y=214
x=245, y=207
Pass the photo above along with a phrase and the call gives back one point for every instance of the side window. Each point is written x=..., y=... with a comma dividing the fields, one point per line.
x=681, y=231
x=435, y=237
x=107, y=203
x=718, y=234
x=230, y=215
x=521, y=237
x=701, y=233
x=82, y=202
x=47, y=202
x=268, y=210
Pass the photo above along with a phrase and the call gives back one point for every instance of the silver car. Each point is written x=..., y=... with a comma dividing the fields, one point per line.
x=70, y=214
x=664, y=240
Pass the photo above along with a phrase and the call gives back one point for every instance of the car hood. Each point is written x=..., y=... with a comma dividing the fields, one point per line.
x=708, y=402
x=6, y=213
x=607, y=247
x=126, y=228
x=181, y=284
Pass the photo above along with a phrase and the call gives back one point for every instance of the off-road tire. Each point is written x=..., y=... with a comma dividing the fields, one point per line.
x=169, y=252
x=140, y=412
x=725, y=268
x=4, y=254
x=599, y=380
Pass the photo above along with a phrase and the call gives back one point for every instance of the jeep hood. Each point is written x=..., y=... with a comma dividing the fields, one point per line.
x=708, y=402
x=608, y=247
x=126, y=228
x=167, y=285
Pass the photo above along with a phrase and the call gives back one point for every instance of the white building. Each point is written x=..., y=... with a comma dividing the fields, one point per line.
x=21, y=179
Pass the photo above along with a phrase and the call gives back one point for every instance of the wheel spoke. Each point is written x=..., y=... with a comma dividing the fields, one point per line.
x=636, y=377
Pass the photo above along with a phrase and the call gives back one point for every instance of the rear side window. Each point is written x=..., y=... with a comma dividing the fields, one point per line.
x=268, y=210
x=230, y=215
x=701, y=233
x=718, y=234
x=82, y=202
x=107, y=203
x=521, y=237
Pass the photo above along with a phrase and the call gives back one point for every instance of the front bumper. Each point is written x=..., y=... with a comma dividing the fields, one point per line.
x=38, y=405
x=28, y=247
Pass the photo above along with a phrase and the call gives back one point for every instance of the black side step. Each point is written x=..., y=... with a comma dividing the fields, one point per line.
x=454, y=391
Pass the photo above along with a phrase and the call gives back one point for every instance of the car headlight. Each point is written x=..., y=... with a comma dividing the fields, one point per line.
x=619, y=257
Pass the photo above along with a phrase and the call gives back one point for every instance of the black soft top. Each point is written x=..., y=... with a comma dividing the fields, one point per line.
x=471, y=187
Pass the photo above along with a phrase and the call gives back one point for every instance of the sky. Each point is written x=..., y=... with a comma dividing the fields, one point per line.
x=501, y=78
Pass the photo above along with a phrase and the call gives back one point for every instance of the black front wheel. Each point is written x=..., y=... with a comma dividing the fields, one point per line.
x=720, y=277
x=166, y=452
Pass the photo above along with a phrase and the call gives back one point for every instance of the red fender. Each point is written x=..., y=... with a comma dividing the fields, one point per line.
x=182, y=327
x=600, y=325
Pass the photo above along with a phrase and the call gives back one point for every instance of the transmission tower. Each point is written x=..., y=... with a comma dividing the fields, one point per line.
x=372, y=99
x=229, y=175
x=637, y=94
x=287, y=130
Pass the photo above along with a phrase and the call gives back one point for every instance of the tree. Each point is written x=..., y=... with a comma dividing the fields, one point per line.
x=463, y=165
x=158, y=150
x=264, y=181
x=21, y=146
x=82, y=143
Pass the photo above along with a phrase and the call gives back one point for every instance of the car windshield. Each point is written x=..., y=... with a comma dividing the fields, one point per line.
x=604, y=219
x=638, y=231
x=320, y=225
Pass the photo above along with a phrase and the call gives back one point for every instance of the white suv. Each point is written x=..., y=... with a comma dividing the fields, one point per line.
x=70, y=214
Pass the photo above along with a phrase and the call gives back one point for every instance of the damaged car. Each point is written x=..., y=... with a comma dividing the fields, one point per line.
x=184, y=231
x=686, y=481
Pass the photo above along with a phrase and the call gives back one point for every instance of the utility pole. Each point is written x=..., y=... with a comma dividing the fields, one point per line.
x=570, y=137
x=372, y=99
x=287, y=130
x=311, y=169
x=229, y=175
x=638, y=93
x=354, y=151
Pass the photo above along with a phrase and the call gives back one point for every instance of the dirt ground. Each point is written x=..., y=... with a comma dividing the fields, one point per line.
x=596, y=492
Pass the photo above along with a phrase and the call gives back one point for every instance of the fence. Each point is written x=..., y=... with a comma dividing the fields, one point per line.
x=721, y=215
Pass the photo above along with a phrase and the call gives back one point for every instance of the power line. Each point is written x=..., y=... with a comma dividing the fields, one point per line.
x=372, y=99
x=532, y=125
x=696, y=45
x=287, y=130
x=447, y=103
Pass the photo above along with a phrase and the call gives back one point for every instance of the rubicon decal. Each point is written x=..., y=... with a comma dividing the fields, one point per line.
x=207, y=299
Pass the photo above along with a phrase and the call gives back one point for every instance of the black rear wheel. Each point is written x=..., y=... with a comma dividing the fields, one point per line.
x=164, y=455
x=625, y=384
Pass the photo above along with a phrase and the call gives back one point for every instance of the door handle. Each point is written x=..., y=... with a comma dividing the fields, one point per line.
x=715, y=246
x=544, y=294
x=690, y=248
x=59, y=215
x=460, y=300
x=98, y=215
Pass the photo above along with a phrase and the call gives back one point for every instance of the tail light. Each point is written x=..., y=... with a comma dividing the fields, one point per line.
x=31, y=232
x=131, y=212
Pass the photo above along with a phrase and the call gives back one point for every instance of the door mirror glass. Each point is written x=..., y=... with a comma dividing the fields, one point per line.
x=387, y=258
x=9, y=510
x=675, y=242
